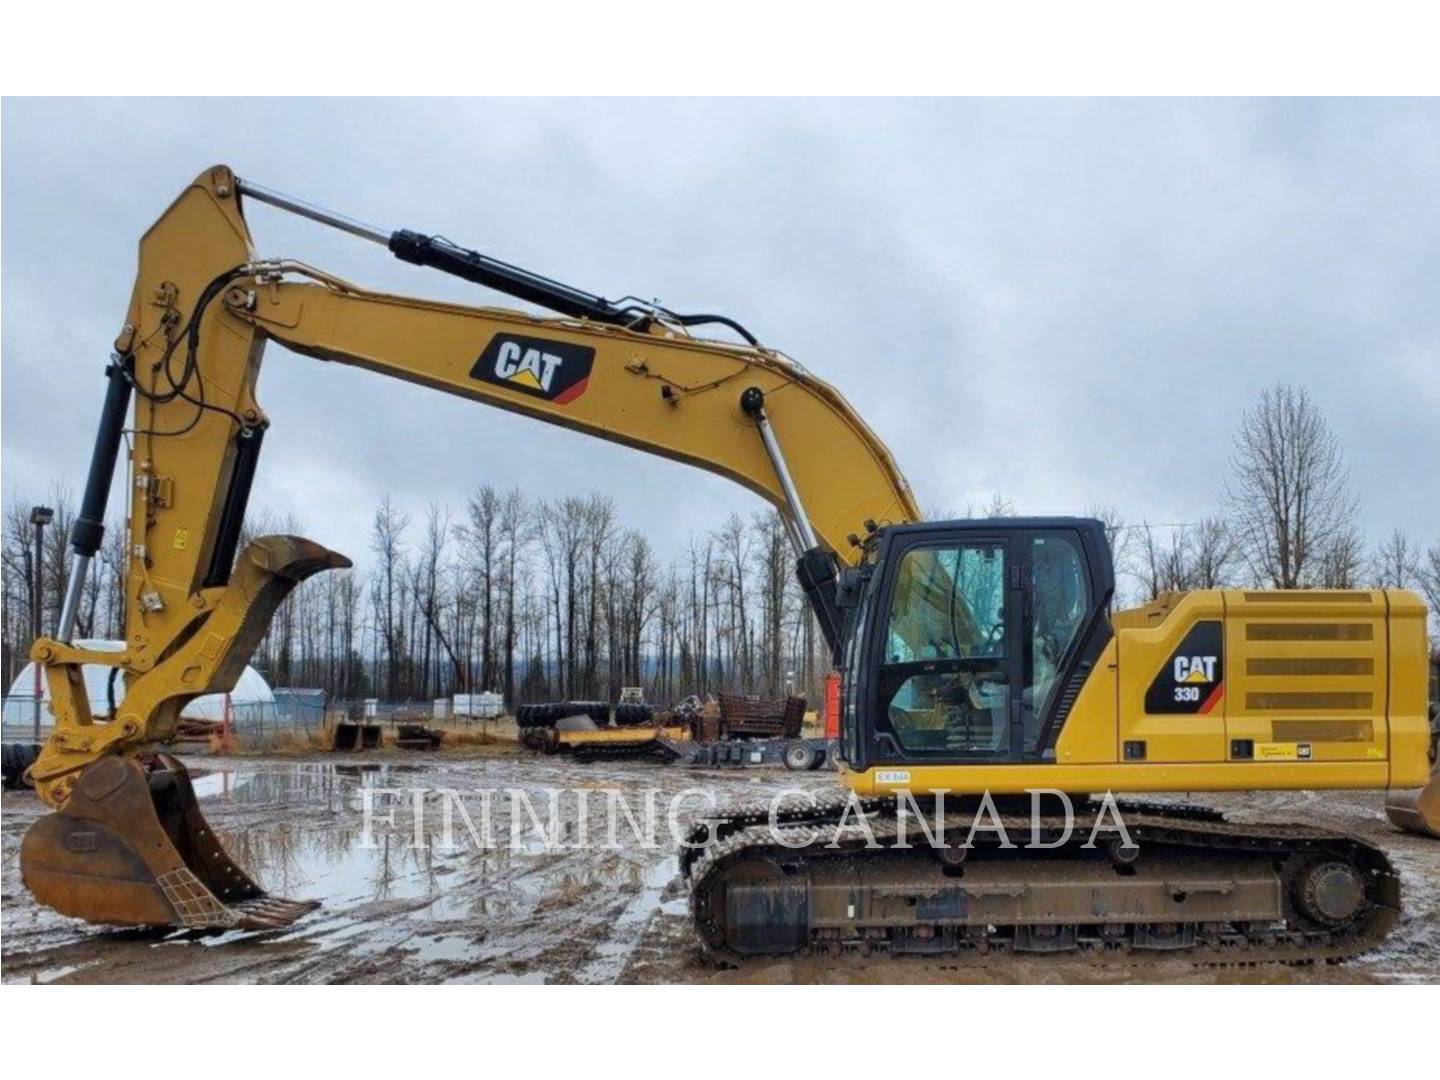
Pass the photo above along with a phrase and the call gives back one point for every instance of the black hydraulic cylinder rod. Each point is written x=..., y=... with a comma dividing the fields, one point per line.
x=88, y=531
x=440, y=254
x=232, y=513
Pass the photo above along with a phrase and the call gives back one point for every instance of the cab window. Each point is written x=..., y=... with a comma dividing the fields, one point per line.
x=1060, y=593
x=943, y=681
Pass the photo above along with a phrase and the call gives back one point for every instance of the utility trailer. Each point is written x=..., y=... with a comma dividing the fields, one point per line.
x=797, y=755
x=673, y=742
x=734, y=732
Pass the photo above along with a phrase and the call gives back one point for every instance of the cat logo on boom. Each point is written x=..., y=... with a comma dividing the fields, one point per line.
x=554, y=370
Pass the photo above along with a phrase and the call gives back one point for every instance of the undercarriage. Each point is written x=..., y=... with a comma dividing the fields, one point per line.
x=851, y=876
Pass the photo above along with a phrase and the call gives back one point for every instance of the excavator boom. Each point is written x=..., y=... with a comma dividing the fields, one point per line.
x=189, y=354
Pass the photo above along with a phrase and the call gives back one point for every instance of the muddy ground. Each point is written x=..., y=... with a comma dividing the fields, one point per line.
x=531, y=913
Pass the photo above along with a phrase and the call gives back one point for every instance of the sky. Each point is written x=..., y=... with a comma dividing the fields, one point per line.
x=1068, y=303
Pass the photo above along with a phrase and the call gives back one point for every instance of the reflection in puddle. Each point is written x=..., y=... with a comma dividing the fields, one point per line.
x=468, y=912
x=299, y=782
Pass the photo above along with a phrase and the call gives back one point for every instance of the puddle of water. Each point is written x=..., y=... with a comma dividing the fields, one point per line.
x=612, y=956
x=52, y=974
x=298, y=782
x=431, y=904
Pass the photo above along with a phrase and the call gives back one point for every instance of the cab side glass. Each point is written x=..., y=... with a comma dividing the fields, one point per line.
x=943, y=677
x=1060, y=601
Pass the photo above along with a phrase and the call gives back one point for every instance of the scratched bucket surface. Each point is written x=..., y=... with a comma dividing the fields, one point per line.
x=131, y=848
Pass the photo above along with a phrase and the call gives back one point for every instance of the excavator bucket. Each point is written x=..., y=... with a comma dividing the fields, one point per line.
x=1416, y=810
x=131, y=848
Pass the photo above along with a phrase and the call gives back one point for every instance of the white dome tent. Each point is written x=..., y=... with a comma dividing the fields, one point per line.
x=252, y=704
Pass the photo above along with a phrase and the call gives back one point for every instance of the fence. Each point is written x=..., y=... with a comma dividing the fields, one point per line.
x=439, y=712
x=292, y=710
x=204, y=716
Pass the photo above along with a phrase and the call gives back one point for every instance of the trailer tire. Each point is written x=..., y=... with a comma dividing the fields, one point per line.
x=632, y=714
x=800, y=756
x=832, y=757
x=533, y=716
x=17, y=757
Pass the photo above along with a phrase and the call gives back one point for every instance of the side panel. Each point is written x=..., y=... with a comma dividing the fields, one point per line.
x=1409, y=710
x=1172, y=680
x=1308, y=675
x=1088, y=737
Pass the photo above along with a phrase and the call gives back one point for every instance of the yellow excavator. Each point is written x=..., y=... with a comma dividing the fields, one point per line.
x=980, y=659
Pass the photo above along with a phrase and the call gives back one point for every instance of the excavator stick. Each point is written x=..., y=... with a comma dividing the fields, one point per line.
x=131, y=848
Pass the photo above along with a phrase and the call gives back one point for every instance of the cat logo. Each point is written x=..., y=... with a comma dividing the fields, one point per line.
x=1192, y=679
x=554, y=370
x=1195, y=669
x=528, y=367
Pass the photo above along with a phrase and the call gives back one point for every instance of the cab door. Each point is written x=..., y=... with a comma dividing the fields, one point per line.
x=1064, y=628
x=946, y=640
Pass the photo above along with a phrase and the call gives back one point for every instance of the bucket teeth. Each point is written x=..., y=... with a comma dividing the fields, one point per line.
x=131, y=848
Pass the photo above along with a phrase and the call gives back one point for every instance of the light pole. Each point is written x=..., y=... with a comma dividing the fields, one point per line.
x=40, y=516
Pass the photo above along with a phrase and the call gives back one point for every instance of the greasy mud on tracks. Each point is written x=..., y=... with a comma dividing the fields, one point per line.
x=396, y=914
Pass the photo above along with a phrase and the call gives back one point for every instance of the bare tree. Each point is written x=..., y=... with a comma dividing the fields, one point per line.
x=1213, y=554
x=433, y=602
x=1430, y=581
x=1341, y=560
x=387, y=541
x=772, y=551
x=481, y=534
x=598, y=517
x=1163, y=564
x=1397, y=562
x=514, y=528
x=1289, y=487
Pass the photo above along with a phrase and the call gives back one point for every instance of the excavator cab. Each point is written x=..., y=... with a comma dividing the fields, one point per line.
x=965, y=634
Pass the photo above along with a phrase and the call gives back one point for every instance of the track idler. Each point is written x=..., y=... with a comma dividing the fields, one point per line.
x=131, y=848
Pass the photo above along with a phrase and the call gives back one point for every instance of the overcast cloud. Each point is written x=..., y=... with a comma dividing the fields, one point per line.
x=1068, y=303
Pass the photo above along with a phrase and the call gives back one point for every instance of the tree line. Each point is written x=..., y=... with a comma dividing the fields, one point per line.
x=546, y=599
x=535, y=599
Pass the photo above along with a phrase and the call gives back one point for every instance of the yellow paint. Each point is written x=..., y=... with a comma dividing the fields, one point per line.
x=623, y=736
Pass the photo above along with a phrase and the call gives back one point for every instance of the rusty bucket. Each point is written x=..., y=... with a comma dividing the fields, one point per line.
x=1416, y=810
x=131, y=848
